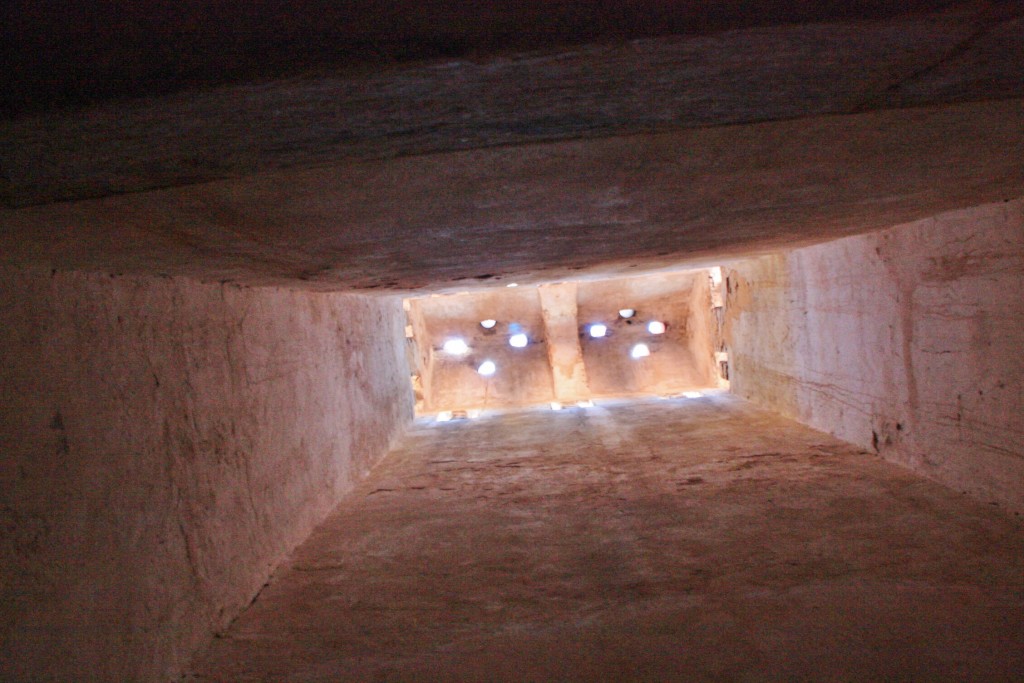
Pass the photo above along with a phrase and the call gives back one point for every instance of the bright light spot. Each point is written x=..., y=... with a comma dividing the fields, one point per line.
x=640, y=351
x=555, y=405
x=456, y=347
x=716, y=275
x=488, y=324
x=692, y=394
x=473, y=414
x=487, y=368
x=444, y=416
x=598, y=330
x=518, y=341
x=584, y=404
x=512, y=284
x=656, y=327
x=626, y=312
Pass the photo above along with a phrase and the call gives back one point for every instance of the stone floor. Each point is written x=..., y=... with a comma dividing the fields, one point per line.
x=684, y=539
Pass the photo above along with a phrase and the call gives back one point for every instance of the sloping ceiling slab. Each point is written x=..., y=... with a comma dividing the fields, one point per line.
x=545, y=211
x=647, y=85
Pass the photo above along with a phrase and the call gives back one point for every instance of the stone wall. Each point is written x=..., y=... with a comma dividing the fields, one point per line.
x=163, y=445
x=906, y=342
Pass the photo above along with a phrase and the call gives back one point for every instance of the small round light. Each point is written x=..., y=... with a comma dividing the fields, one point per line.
x=598, y=330
x=488, y=324
x=640, y=351
x=626, y=312
x=487, y=368
x=555, y=405
x=456, y=347
x=656, y=327
x=512, y=284
x=518, y=341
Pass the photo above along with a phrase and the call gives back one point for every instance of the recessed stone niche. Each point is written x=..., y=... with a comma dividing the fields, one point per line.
x=454, y=336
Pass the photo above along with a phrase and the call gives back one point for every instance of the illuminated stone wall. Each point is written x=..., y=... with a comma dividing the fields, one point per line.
x=563, y=362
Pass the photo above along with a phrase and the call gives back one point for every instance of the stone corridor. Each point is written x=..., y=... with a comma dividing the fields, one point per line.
x=679, y=539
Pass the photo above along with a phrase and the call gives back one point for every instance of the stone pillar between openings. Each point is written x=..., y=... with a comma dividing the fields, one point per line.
x=561, y=327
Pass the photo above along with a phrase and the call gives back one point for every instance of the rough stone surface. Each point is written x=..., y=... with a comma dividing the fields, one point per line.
x=906, y=341
x=164, y=442
x=705, y=540
x=743, y=76
x=164, y=445
x=545, y=212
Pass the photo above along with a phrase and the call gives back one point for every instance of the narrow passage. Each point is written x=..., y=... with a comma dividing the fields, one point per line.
x=683, y=539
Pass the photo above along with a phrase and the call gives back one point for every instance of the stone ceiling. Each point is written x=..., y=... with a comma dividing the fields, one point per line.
x=594, y=159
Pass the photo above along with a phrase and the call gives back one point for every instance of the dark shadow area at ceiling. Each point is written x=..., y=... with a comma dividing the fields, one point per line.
x=58, y=54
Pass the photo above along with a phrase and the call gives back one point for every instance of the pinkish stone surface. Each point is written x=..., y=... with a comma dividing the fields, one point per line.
x=679, y=540
x=607, y=207
x=906, y=341
x=165, y=444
